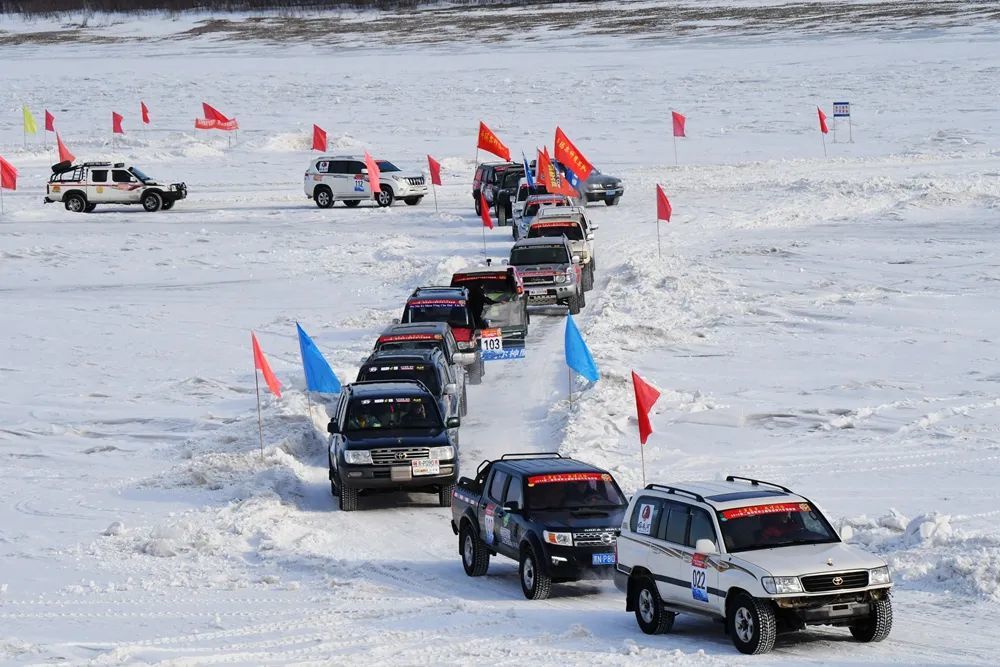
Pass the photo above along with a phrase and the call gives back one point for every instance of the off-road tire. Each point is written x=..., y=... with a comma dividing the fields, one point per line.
x=167, y=205
x=75, y=203
x=652, y=618
x=535, y=584
x=89, y=208
x=475, y=556
x=611, y=202
x=878, y=625
x=479, y=206
x=464, y=408
x=412, y=201
x=444, y=495
x=352, y=203
x=583, y=299
x=588, y=277
x=574, y=304
x=151, y=202
x=751, y=625
x=323, y=196
x=502, y=216
x=348, y=498
x=385, y=197
x=476, y=371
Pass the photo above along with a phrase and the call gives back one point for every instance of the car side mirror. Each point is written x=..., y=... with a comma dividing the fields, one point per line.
x=590, y=237
x=513, y=507
x=576, y=260
x=395, y=320
x=704, y=546
x=453, y=422
x=595, y=226
x=504, y=261
x=451, y=388
x=332, y=427
x=364, y=170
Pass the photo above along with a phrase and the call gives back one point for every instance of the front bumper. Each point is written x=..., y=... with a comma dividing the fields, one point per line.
x=539, y=295
x=404, y=189
x=175, y=195
x=572, y=563
x=394, y=477
x=602, y=195
x=841, y=609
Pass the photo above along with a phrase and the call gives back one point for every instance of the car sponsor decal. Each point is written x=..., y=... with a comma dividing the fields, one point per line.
x=569, y=477
x=419, y=303
x=557, y=223
x=645, y=523
x=757, y=510
x=397, y=338
x=699, y=579
x=535, y=274
x=472, y=277
x=488, y=523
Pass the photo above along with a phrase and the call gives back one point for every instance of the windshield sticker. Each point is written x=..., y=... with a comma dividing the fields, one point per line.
x=757, y=510
x=558, y=223
x=645, y=523
x=569, y=477
x=421, y=303
x=404, y=337
x=472, y=277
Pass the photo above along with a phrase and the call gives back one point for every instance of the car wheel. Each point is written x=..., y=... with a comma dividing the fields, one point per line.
x=475, y=557
x=535, y=584
x=75, y=203
x=878, y=625
x=323, y=196
x=348, y=498
x=574, y=304
x=333, y=489
x=476, y=371
x=384, y=197
x=479, y=206
x=152, y=202
x=167, y=205
x=514, y=231
x=89, y=208
x=444, y=495
x=583, y=299
x=751, y=625
x=412, y=201
x=652, y=618
x=352, y=203
x=502, y=215
x=465, y=400
x=611, y=202
x=588, y=278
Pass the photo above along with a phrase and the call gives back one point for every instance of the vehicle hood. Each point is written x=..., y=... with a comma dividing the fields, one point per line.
x=563, y=520
x=397, y=438
x=809, y=559
x=528, y=271
x=602, y=179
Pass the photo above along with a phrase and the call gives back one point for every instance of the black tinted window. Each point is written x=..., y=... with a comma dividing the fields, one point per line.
x=496, y=486
x=515, y=493
x=120, y=176
x=99, y=175
x=675, y=527
x=646, y=516
x=355, y=167
x=701, y=527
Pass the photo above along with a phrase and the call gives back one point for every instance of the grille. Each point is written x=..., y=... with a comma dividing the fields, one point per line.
x=595, y=539
x=537, y=280
x=823, y=583
x=415, y=180
x=390, y=456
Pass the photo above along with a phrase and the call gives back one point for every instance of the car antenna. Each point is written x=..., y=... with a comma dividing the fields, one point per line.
x=489, y=261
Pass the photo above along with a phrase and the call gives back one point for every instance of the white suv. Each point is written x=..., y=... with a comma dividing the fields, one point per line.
x=751, y=553
x=345, y=178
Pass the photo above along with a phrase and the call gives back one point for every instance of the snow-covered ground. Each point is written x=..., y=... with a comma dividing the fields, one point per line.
x=830, y=324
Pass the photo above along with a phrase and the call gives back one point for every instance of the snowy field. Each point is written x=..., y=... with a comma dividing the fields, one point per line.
x=829, y=324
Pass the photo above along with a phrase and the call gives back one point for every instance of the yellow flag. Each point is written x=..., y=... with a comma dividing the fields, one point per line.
x=29, y=121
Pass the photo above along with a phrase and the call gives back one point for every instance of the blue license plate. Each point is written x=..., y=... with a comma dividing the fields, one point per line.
x=603, y=559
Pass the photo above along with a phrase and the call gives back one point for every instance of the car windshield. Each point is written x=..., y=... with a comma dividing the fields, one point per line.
x=410, y=345
x=495, y=288
x=387, y=372
x=454, y=313
x=544, y=254
x=774, y=525
x=511, y=178
x=401, y=413
x=573, y=491
x=385, y=165
x=138, y=174
x=570, y=231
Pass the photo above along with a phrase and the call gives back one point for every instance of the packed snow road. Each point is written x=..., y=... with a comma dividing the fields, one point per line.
x=829, y=324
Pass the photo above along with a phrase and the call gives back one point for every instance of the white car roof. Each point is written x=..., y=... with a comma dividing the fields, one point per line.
x=723, y=495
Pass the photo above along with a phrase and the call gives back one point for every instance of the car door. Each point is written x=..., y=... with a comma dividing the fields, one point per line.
x=338, y=178
x=127, y=189
x=98, y=185
x=512, y=525
x=492, y=502
x=675, y=566
x=704, y=577
x=336, y=443
x=641, y=548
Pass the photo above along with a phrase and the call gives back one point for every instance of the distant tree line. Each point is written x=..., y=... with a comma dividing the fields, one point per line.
x=128, y=6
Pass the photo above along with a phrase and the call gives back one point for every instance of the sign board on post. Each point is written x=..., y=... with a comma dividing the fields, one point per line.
x=842, y=110
x=491, y=345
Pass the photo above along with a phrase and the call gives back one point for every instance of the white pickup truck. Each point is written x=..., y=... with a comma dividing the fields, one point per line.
x=81, y=187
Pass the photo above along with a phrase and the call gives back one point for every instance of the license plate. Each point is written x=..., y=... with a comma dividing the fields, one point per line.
x=400, y=474
x=426, y=467
x=603, y=559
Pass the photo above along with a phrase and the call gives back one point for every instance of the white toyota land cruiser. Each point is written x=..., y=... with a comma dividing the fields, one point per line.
x=751, y=553
x=345, y=178
x=82, y=187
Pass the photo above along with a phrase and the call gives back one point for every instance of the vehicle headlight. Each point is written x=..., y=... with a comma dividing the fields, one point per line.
x=779, y=585
x=442, y=453
x=595, y=186
x=560, y=278
x=880, y=575
x=562, y=539
x=358, y=457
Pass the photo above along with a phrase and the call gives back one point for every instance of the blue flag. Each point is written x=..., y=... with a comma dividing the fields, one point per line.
x=319, y=375
x=577, y=355
x=527, y=173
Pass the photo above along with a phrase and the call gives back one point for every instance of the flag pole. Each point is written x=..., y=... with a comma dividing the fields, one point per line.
x=569, y=375
x=676, y=163
x=824, y=143
x=659, y=253
x=642, y=457
x=260, y=422
x=434, y=188
x=484, y=237
x=1, y=200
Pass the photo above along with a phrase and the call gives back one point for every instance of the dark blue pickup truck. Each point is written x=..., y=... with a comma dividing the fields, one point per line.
x=558, y=517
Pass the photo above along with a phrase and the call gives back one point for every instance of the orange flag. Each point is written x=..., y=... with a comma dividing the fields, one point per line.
x=260, y=363
x=64, y=154
x=491, y=143
x=571, y=157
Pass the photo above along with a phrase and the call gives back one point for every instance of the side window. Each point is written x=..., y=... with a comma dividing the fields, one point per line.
x=674, y=529
x=450, y=341
x=515, y=494
x=355, y=167
x=701, y=527
x=99, y=175
x=645, y=515
x=120, y=176
x=496, y=486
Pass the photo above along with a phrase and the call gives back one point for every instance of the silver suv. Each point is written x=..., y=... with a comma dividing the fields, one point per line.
x=551, y=273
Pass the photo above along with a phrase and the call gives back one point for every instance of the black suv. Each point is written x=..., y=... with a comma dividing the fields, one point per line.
x=558, y=517
x=429, y=367
x=498, y=183
x=391, y=436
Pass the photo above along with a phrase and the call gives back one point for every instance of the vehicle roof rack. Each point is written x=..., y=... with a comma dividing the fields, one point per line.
x=757, y=482
x=531, y=455
x=675, y=490
x=97, y=164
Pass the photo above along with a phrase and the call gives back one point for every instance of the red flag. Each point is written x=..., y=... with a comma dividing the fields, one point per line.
x=546, y=174
x=8, y=175
x=564, y=151
x=260, y=363
x=435, y=168
x=215, y=120
x=64, y=154
x=663, y=208
x=491, y=143
x=374, y=175
x=679, y=121
x=212, y=113
x=145, y=112
x=822, y=121
x=319, y=139
x=116, y=123
x=484, y=211
x=645, y=396
x=50, y=122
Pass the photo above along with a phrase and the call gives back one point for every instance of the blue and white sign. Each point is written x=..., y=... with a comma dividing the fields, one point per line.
x=492, y=348
x=841, y=109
